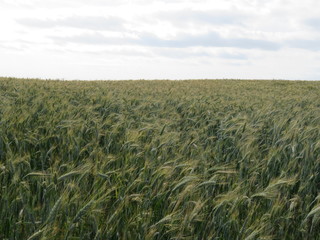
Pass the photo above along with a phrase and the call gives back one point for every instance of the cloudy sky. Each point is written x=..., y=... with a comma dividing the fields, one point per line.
x=160, y=39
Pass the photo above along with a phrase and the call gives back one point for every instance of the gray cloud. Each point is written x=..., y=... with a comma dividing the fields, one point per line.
x=81, y=22
x=313, y=22
x=211, y=39
x=312, y=45
x=209, y=17
x=187, y=53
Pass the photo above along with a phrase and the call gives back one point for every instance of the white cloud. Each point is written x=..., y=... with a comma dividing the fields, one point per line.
x=81, y=22
x=157, y=38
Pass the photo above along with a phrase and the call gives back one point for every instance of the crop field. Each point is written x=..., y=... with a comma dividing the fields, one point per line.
x=198, y=159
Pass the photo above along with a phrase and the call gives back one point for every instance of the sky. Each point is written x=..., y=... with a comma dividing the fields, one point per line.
x=160, y=39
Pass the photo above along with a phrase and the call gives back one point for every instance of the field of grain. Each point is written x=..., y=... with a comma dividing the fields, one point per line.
x=202, y=159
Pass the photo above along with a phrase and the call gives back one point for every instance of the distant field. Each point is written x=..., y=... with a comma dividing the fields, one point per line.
x=202, y=159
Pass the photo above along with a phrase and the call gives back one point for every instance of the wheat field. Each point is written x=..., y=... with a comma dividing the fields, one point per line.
x=198, y=159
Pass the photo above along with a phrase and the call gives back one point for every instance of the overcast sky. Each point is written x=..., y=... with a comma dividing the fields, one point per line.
x=163, y=39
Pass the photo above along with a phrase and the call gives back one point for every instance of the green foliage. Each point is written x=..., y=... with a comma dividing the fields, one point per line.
x=159, y=160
